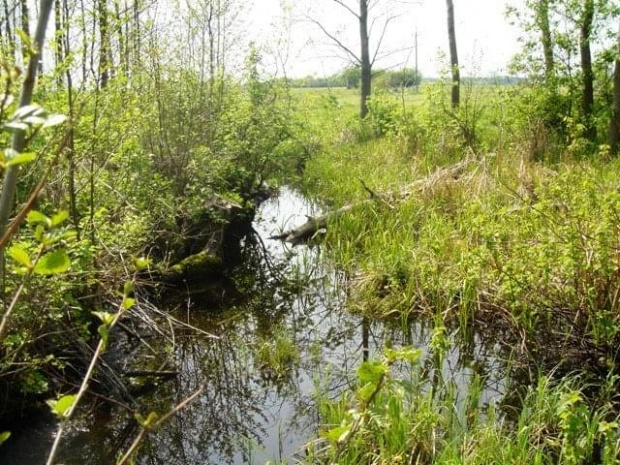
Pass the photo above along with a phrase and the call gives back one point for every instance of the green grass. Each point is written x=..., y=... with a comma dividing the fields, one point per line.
x=478, y=231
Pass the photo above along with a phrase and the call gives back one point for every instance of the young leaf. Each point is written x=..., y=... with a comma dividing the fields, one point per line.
x=20, y=255
x=54, y=120
x=128, y=302
x=59, y=218
x=21, y=159
x=53, y=263
x=62, y=406
x=28, y=110
x=105, y=317
x=142, y=263
x=4, y=436
x=104, y=333
x=35, y=217
x=371, y=372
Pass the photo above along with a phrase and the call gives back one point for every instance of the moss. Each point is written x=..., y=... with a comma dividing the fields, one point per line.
x=197, y=267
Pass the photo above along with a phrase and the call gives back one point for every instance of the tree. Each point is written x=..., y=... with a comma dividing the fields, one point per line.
x=542, y=21
x=363, y=59
x=104, y=51
x=454, y=59
x=587, y=99
x=614, y=129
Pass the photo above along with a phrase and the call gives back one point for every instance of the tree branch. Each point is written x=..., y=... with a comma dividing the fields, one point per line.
x=346, y=7
x=336, y=41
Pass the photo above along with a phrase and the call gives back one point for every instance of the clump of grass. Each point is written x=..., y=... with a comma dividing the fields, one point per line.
x=278, y=354
x=414, y=421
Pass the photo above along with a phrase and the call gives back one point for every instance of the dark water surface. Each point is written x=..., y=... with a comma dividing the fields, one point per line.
x=253, y=409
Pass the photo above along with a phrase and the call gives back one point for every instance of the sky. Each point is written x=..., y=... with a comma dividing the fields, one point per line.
x=486, y=40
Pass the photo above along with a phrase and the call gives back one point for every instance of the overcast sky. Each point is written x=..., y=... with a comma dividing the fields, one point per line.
x=486, y=41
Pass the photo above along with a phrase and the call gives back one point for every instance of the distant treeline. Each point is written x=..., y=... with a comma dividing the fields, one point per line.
x=388, y=79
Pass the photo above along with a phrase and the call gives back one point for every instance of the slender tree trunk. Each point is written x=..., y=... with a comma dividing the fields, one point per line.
x=454, y=58
x=136, y=33
x=545, y=32
x=59, y=41
x=587, y=102
x=614, y=130
x=104, y=51
x=75, y=218
x=25, y=20
x=366, y=66
x=9, y=29
x=19, y=137
x=120, y=38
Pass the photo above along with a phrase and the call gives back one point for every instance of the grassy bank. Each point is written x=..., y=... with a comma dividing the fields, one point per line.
x=486, y=223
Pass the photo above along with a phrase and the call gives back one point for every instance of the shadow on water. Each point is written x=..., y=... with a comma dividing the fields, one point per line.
x=288, y=334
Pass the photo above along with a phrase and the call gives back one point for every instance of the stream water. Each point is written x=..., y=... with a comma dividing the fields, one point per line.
x=287, y=337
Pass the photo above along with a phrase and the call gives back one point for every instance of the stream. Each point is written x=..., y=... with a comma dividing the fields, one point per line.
x=289, y=336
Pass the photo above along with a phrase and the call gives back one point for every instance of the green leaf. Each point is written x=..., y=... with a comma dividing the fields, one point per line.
x=16, y=125
x=4, y=436
x=408, y=354
x=25, y=39
x=39, y=232
x=104, y=333
x=53, y=263
x=338, y=433
x=28, y=110
x=128, y=288
x=34, y=120
x=105, y=317
x=21, y=159
x=371, y=372
x=35, y=217
x=59, y=218
x=54, y=120
x=62, y=406
x=128, y=302
x=20, y=256
x=142, y=263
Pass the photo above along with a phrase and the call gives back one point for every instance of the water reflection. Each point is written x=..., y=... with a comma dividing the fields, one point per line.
x=292, y=314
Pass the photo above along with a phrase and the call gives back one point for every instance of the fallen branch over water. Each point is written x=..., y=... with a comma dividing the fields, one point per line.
x=314, y=225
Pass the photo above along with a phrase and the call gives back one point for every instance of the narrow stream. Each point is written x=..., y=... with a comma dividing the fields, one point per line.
x=288, y=336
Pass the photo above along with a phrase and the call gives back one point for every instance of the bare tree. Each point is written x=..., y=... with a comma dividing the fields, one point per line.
x=363, y=59
x=454, y=58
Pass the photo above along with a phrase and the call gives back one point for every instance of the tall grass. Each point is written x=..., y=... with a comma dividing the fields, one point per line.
x=475, y=229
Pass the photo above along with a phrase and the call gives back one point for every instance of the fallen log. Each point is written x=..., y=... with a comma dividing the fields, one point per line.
x=308, y=230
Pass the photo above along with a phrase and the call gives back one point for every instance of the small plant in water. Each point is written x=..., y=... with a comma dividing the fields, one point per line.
x=277, y=354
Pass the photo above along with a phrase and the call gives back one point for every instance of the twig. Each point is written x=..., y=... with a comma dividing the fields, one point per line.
x=157, y=424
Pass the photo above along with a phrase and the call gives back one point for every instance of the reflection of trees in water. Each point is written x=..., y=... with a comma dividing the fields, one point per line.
x=242, y=403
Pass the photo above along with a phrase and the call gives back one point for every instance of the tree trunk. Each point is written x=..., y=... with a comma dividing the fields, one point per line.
x=454, y=58
x=545, y=31
x=365, y=59
x=122, y=58
x=587, y=102
x=59, y=41
x=19, y=137
x=614, y=130
x=25, y=19
x=9, y=29
x=104, y=50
